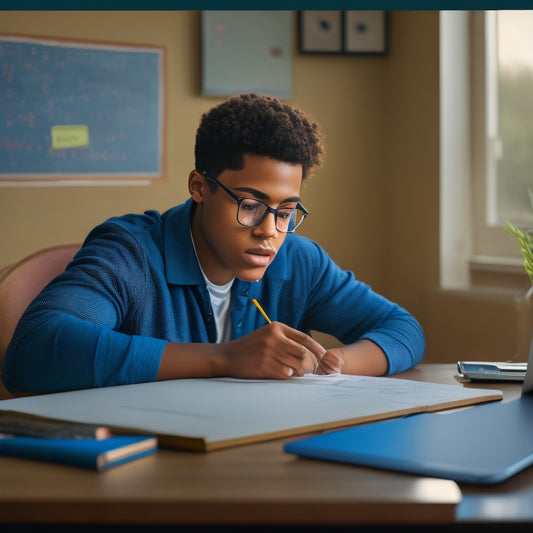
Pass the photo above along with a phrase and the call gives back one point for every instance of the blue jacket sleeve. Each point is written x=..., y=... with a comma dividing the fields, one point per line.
x=349, y=309
x=70, y=338
x=54, y=351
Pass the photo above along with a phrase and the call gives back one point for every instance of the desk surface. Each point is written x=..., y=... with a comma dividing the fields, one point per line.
x=255, y=484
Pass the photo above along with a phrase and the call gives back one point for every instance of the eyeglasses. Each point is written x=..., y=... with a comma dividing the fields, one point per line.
x=251, y=212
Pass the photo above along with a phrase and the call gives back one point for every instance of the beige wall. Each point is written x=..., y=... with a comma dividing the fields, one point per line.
x=345, y=94
x=374, y=203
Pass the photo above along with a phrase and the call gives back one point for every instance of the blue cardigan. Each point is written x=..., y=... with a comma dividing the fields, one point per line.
x=136, y=284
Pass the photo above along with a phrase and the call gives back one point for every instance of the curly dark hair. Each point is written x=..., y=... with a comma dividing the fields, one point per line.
x=259, y=125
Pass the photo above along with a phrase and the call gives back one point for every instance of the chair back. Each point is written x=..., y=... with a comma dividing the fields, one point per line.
x=21, y=282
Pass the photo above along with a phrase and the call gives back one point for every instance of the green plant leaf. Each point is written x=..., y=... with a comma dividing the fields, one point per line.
x=526, y=246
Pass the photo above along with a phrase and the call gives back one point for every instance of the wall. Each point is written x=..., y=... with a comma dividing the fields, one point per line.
x=40, y=216
x=375, y=202
x=343, y=93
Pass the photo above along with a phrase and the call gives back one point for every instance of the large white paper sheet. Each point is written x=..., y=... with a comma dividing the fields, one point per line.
x=228, y=410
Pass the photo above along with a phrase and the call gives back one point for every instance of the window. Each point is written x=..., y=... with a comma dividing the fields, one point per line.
x=502, y=128
x=486, y=144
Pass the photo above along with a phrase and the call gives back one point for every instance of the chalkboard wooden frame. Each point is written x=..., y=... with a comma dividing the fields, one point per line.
x=76, y=112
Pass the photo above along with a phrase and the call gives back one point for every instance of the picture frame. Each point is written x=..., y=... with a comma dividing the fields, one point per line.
x=320, y=32
x=365, y=32
x=352, y=32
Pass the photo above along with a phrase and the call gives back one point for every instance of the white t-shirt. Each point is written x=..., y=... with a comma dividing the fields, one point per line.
x=220, y=302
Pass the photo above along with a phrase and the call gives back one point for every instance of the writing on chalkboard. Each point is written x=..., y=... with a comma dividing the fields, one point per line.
x=72, y=110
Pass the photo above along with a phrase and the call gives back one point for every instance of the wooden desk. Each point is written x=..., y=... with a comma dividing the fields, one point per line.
x=256, y=485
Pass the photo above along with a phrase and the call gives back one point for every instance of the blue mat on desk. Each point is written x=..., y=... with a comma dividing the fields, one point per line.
x=485, y=444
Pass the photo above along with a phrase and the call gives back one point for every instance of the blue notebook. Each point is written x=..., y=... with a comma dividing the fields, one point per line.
x=485, y=444
x=86, y=453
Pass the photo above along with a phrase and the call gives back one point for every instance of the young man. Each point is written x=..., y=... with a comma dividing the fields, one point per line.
x=167, y=296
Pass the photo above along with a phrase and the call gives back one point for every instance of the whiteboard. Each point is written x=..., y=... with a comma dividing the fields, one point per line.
x=247, y=51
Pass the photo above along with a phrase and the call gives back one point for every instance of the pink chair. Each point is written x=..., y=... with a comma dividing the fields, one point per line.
x=21, y=282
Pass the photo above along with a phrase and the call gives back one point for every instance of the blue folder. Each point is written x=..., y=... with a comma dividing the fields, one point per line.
x=486, y=444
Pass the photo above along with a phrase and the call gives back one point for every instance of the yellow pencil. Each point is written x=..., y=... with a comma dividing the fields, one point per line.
x=256, y=303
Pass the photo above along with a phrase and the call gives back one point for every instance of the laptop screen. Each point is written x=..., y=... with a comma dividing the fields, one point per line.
x=527, y=387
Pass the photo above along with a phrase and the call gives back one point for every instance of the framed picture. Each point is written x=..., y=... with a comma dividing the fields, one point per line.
x=342, y=32
x=365, y=32
x=320, y=32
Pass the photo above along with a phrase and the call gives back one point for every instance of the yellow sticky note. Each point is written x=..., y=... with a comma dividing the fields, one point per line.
x=75, y=136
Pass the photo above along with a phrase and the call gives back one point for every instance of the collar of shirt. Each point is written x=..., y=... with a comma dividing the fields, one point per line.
x=179, y=250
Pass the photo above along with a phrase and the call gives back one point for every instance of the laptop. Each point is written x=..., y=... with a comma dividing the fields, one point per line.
x=485, y=444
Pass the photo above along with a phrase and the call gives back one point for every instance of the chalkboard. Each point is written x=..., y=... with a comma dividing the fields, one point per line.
x=75, y=110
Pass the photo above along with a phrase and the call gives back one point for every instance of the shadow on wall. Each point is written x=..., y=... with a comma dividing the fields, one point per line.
x=480, y=324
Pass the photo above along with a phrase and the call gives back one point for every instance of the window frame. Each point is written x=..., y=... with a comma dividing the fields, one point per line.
x=489, y=238
x=465, y=261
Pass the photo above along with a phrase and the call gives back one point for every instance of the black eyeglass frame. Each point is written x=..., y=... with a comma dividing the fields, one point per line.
x=239, y=199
